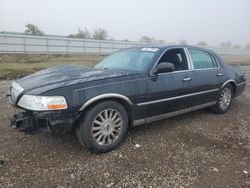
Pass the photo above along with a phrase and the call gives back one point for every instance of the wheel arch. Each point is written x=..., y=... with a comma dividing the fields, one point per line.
x=123, y=100
x=232, y=83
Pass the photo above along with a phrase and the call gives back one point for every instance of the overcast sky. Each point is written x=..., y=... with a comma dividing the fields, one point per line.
x=213, y=21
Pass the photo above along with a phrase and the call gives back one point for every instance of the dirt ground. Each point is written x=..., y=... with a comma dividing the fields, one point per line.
x=198, y=149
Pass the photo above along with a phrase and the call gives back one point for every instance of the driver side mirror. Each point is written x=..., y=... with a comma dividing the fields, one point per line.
x=163, y=68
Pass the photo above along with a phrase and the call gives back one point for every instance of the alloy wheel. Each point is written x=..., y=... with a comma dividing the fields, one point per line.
x=107, y=126
x=225, y=98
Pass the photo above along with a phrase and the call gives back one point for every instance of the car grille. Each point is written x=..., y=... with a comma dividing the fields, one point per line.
x=15, y=91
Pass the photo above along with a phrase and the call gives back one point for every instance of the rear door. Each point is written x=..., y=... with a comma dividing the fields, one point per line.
x=207, y=76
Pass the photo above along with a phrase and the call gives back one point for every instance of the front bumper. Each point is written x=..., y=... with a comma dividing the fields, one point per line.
x=56, y=122
x=28, y=121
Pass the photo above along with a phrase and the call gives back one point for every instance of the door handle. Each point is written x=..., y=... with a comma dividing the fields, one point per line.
x=219, y=74
x=186, y=79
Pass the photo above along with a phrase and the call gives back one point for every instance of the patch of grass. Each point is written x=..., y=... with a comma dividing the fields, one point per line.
x=14, y=67
x=237, y=59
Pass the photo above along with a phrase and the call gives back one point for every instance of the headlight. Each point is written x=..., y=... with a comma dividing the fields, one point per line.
x=42, y=103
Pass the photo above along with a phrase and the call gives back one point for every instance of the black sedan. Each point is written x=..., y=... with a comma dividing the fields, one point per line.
x=130, y=87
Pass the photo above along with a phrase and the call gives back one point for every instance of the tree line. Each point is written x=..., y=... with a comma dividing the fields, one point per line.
x=103, y=34
x=98, y=33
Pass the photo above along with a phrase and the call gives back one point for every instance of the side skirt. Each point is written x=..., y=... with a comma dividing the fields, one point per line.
x=172, y=114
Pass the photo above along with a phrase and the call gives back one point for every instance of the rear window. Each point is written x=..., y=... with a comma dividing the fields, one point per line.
x=202, y=59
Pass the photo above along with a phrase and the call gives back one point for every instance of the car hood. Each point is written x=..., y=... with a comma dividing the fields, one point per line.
x=63, y=75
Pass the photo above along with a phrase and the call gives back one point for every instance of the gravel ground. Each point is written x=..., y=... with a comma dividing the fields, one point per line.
x=198, y=149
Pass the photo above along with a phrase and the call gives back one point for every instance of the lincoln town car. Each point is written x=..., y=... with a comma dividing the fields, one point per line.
x=131, y=87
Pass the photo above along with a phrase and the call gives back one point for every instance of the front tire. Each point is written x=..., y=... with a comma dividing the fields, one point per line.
x=103, y=127
x=224, y=101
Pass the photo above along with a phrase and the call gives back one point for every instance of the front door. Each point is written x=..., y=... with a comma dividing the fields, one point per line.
x=168, y=92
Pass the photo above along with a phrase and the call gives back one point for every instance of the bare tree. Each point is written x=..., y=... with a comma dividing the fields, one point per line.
x=100, y=34
x=83, y=34
x=33, y=30
x=146, y=39
x=183, y=42
x=227, y=44
x=202, y=43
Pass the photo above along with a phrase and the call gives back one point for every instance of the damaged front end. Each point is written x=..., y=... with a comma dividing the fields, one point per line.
x=43, y=122
x=41, y=114
x=22, y=120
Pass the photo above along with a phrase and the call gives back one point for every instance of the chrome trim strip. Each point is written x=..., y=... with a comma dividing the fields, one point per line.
x=172, y=114
x=213, y=68
x=139, y=122
x=17, y=87
x=189, y=59
x=104, y=96
x=225, y=83
x=243, y=83
x=190, y=70
x=15, y=92
x=174, y=72
x=177, y=97
x=175, y=113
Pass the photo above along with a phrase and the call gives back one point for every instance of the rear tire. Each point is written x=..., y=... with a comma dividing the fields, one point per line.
x=224, y=101
x=103, y=127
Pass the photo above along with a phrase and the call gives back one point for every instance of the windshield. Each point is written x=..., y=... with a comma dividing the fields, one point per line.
x=135, y=59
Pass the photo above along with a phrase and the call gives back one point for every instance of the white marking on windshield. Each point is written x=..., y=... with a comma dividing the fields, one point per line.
x=150, y=49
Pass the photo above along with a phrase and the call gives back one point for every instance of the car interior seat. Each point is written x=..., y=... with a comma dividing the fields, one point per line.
x=174, y=58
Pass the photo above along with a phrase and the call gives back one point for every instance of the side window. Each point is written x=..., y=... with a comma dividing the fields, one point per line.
x=177, y=57
x=201, y=59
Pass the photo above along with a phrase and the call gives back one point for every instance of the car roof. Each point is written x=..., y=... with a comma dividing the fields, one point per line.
x=165, y=46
